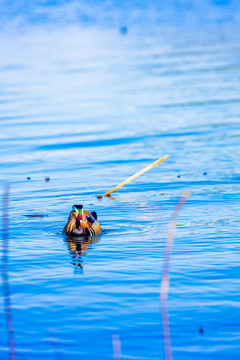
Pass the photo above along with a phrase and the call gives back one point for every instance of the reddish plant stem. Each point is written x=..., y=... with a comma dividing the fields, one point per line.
x=56, y=348
x=165, y=278
x=5, y=277
x=116, y=342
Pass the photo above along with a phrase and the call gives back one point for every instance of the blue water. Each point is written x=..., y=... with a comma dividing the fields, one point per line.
x=88, y=101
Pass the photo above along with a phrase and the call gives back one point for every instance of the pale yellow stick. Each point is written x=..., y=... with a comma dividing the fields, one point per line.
x=137, y=174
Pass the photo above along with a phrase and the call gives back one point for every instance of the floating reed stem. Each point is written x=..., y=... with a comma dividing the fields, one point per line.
x=136, y=175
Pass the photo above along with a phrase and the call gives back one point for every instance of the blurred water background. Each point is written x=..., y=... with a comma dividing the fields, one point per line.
x=90, y=93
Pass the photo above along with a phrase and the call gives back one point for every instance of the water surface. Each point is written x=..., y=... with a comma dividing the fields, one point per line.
x=88, y=107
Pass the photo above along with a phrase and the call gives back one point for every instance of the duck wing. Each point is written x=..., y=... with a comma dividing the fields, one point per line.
x=96, y=227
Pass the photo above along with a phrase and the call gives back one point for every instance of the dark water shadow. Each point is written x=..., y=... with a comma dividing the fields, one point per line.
x=78, y=247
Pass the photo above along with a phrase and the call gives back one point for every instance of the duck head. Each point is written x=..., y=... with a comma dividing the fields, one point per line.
x=78, y=211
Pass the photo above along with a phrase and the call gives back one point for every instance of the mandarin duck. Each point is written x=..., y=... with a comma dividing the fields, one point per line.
x=82, y=223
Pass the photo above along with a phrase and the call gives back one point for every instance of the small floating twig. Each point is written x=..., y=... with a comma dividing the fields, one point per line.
x=6, y=288
x=135, y=176
x=165, y=277
x=36, y=215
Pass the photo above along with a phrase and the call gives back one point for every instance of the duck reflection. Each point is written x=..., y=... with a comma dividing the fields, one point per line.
x=78, y=247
